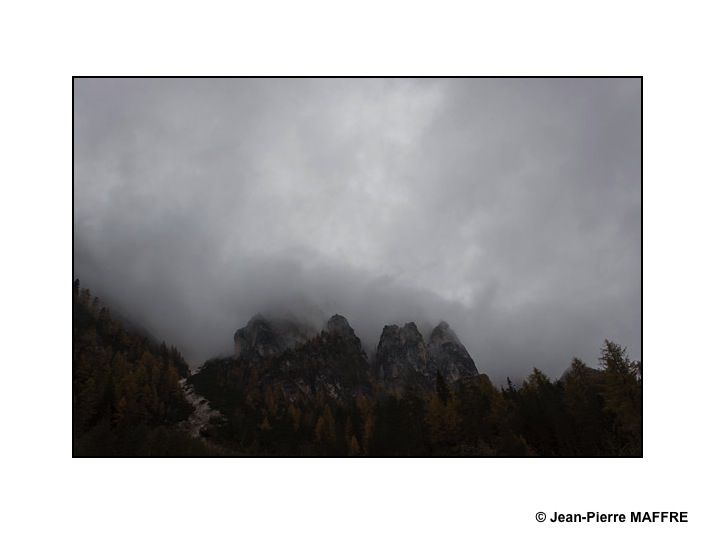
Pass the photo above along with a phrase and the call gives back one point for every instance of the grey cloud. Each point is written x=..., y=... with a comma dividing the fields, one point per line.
x=508, y=207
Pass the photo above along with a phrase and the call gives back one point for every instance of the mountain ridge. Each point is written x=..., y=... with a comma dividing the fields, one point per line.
x=402, y=356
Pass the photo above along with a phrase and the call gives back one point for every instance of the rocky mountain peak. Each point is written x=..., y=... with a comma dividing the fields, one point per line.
x=442, y=333
x=449, y=354
x=338, y=328
x=393, y=333
x=263, y=337
x=402, y=357
x=337, y=324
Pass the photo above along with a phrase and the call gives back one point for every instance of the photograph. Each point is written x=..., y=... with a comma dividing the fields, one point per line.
x=357, y=267
x=360, y=270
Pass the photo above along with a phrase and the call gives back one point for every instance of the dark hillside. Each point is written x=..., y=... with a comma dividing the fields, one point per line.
x=126, y=397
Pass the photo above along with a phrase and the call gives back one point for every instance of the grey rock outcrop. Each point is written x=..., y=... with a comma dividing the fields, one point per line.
x=331, y=362
x=402, y=358
x=449, y=355
x=263, y=338
x=337, y=324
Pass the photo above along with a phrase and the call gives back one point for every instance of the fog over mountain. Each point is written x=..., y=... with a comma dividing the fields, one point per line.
x=509, y=208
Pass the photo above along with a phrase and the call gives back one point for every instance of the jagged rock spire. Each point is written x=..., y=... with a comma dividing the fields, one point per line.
x=450, y=356
x=402, y=357
x=337, y=324
x=263, y=337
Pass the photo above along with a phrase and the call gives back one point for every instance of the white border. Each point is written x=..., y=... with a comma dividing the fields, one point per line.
x=47, y=494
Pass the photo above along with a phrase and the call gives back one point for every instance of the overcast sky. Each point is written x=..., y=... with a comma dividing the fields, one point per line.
x=508, y=207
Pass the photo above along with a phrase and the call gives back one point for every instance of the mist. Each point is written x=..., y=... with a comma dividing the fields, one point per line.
x=509, y=208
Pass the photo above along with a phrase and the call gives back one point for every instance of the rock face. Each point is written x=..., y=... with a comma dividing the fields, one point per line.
x=289, y=358
x=403, y=358
x=332, y=362
x=264, y=338
x=339, y=327
x=337, y=324
x=293, y=357
x=449, y=355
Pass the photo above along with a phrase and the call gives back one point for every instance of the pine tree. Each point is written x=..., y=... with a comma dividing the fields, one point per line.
x=622, y=391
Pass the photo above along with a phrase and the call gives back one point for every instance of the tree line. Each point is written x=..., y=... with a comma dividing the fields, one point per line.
x=126, y=397
x=127, y=400
x=587, y=412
